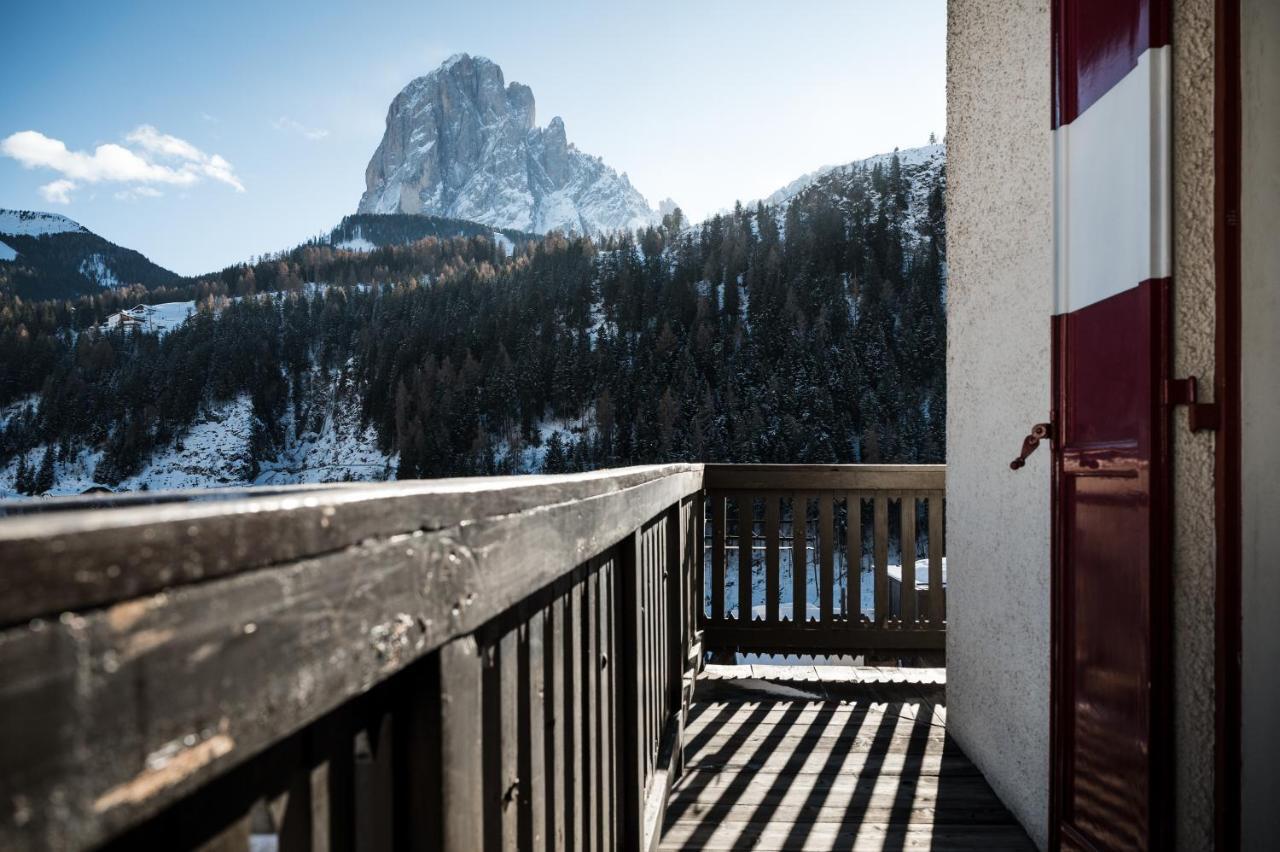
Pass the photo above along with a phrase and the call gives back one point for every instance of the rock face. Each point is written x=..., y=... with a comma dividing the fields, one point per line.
x=462, y=143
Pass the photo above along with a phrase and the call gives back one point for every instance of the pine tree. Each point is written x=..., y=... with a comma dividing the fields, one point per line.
x=44, y=479
x=556, y=460
x=22, y=480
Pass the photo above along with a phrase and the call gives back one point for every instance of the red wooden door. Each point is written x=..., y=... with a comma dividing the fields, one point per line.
x=1110, y=772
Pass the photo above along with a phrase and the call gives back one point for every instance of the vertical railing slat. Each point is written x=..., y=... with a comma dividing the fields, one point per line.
x=509, y=737
x=629, y=692
x=533, y=764
x=937, y=606
x=556, y=703
x=907, y=588
x=717, y=556
x=461, y=730
x=591, y=741
x=604, y=663
x=673, y=565
x=799, y=587
x=746, y=523
x=853, y=555
x=573, y=693
x=881, y=549
x=826, y=555
x=772, y=557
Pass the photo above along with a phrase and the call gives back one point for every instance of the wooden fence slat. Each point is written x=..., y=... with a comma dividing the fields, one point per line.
x=604, y=695
x=746, y=542
x=375, y=785
x=291, y=813
x=574, y=700
x=509, y=737
x=461, y=730
x=629, y=685
x=772, y=557
x=853, y=555
x=233, y=838
x=826, y=550
x=591, y=696
x=881, y=550
x=697, y=535
x=557, y=715
x=937, y=604
x=674, y=602
x=717, y=556
x=533, y=771
x=417, y=771
x=799, y=581
x=907, y=588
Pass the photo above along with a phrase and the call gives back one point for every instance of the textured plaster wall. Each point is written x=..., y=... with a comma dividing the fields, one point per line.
x=1260, y=415
x=1193, y=355
x=999, y=299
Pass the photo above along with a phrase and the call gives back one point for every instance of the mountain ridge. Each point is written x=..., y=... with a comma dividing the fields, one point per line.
x=49, y=256
x=462, y=143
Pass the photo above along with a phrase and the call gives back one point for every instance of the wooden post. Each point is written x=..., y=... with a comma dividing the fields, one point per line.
x=937, y=604
x=882, y=558
x=799, y=585
x=629, y=689
x=853, y=553
x=826, y=555
x=717, y=557
x=772, y=558
x=461, y=729
x=907, y=593
x=675, y=650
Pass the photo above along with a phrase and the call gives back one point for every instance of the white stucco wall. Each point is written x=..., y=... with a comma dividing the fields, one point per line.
x=999, y=300
x=1260, y=416
x=1194, y=290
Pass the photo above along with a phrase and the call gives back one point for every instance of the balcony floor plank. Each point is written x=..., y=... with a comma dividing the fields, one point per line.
x=858, y=759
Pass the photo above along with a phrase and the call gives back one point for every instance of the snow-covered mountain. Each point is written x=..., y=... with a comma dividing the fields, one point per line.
x=462, y=143
x=45, y=255
x=919, y=165
x=32, y=223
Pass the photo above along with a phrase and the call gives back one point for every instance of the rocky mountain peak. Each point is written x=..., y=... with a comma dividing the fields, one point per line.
x=461, y=142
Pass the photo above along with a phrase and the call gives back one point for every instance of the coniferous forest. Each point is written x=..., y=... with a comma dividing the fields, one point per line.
x=812, y=332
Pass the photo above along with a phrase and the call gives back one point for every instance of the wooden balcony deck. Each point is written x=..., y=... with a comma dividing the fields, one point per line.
x=502, y=663
x=803, y=757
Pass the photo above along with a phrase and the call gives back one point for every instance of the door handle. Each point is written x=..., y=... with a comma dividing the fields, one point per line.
x=1039, y=432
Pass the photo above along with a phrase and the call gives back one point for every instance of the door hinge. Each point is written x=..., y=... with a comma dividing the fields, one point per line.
x=1200, y=415
x=1039, y=432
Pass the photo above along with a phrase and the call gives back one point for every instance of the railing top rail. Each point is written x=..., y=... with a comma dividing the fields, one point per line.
x=821, y=477
x=83, y=557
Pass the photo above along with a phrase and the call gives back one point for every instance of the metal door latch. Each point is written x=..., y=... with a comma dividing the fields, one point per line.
x=1039, y=432
x=1200, y=415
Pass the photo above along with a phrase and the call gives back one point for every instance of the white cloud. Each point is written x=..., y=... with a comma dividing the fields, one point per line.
x=138, y=192
x=284, y=122
x=58, y=192
x=155, y=158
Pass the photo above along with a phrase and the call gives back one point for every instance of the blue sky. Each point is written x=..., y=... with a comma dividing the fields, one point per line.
x=281, y=105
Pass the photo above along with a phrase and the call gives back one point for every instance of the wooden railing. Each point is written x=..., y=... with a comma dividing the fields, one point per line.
x=463, y=664
x=797, y=537
x=457, y=664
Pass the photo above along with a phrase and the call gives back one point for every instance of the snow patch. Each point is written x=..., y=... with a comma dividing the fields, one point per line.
x=95, y=268
x=6, y=252
x=30, y=223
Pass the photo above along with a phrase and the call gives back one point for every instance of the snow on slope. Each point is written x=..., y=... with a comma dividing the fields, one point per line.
x=159, y=319
x=6, y=252
x=28, y=223
x=327, y=444
x=927, y=155
x=95, y=267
